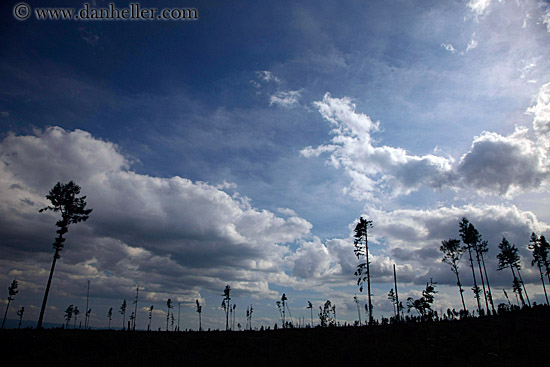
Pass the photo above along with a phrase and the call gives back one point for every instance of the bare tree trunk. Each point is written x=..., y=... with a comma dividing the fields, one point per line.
x=475, y=282
x=6, y=313
x=543, y=286
x=396, y=294
x=45, y=300
x=519, y=290
x=482, y=282
x=488, y=286
x=368, y=279
x=460, y=290
x=524, y=289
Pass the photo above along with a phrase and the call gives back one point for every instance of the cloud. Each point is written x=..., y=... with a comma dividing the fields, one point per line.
x=503, y=164
x=267, y=76
x=412, y=237
x=170, y=234
x=495, y=164
x=286, y=99
x=479, y=7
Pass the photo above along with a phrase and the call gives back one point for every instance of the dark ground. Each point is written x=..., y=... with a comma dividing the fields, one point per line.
x=513, y=339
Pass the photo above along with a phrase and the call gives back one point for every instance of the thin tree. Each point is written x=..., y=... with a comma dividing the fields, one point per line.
x=169, y=307
x=361, y=244
x=88, y=313
x=72, y=208
x=509, y=258
x=172, y=318
x=131, y=322
x=452, y=253
x=199, y=311
x=109, y=317
x=226, y=305
x=87, y=300
x=76, y=312
x=20, y=314
x=469, y=238
x=391, y=297
x=135, y=302
x=234, y=313
x=249, y=311
x=483, y=248
x=545, y=250
x=283, y=301
x=538, y=256
x=396, y=295
x=150, y=317
x=123, y=313
x=68, y=315
x=477, y=249
x=310, y=306
x=12, y=291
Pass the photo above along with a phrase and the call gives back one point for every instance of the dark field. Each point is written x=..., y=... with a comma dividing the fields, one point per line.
x=514, y=339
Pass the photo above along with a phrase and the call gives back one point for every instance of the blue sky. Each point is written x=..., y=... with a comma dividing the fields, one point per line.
x=240, y=148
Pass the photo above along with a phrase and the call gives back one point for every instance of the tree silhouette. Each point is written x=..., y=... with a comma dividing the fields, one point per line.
x=123, y=313
x=169, y=307
x=225, y=304
x=477, y=250
x=391, y=297
x=76, y=312
x=88, y=313
x=538, y=258
x=110, y=317
x=482, y=248
x=283, y=301
x=310, y=306
x=131, y=322
x=68, y=315
x=249, y=311
x=199, y=311
x=398, y=304
x=423, y=305
x=361, y=244
x=63, y=198
x=545, y=250
x=20, y=314
x=452, y=252
x=150, y=317
x=470, y=237
x=135, y=302
x=358, y=308
x=234, y=313
x=12, y=291
x=327, y=314
x=509, y=258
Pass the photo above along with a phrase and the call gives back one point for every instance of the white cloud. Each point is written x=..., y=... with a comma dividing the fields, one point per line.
x=449, y=47
x=286, y=99
x=495, y=164
x=267, y=76
x=479, y=7
x=167, y=233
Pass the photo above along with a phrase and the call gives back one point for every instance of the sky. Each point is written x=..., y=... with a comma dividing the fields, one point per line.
x=242, y=147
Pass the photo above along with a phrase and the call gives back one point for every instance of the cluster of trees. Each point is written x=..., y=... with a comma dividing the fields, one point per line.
x=476, y=248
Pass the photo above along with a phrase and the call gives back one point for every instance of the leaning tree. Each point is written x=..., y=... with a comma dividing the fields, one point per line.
x=72, y=208
x=509, y=258
x=452, y=253
x=540, y=253
x=12, y=291
x=470, y=237
x=361, y=244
